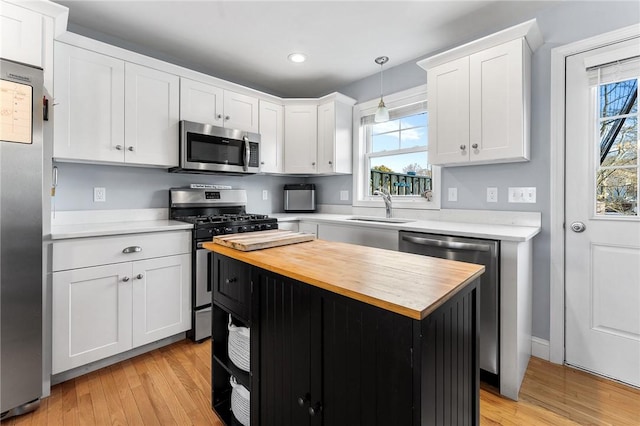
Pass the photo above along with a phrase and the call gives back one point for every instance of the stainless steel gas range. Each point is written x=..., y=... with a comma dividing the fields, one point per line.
x=212, y=212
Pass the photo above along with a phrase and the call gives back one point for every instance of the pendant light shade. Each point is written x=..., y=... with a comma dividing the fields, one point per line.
x=382, y=113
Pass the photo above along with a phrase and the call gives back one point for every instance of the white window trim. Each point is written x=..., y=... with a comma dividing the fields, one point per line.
x=360, y=198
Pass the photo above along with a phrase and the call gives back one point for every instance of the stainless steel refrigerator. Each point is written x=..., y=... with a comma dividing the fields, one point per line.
x=21, y=195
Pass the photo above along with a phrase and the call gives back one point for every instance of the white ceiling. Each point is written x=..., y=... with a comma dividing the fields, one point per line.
x=247, y=42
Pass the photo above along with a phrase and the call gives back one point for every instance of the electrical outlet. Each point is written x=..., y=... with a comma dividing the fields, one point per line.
x=265, y=194
x=492, y=195
x=344, y=195
x=453, y=194
x=99, y=195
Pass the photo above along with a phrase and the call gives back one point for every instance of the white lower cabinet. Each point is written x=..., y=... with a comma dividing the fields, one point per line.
x=103, y=310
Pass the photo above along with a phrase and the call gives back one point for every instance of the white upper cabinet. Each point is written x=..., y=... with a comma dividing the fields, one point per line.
x=300, y=138
x=240, y=111
x=21, y=34
x=109, y=110
x=318, y=135
x=152, y=115
x=271, y=137
x=89, y=111
x=334, y=137
x=208, y=104
x=479, y=96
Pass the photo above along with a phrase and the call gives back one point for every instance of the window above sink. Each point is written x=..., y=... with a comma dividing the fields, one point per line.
x=393, y=155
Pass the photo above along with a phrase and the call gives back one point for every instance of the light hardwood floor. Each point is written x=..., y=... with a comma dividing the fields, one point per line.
x=171, y=386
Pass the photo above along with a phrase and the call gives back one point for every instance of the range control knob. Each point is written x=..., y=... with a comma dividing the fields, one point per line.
x=228, y=230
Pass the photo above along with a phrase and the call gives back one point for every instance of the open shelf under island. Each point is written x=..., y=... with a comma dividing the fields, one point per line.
x=346, y=335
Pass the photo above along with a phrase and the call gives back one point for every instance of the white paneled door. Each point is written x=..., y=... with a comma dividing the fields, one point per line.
x=602, y=223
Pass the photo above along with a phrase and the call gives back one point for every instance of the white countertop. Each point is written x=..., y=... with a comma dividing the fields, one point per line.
x=466, y=229
x=103, y=223
x=59, y=232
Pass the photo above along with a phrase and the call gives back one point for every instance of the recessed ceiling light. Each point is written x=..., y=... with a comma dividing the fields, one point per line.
x=297, y=57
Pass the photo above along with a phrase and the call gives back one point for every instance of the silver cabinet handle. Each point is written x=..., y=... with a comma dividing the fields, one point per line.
x=139, y=276
x=132, y=249
x=119, y=147
x=474, y=146
x=578, y=227
x=130, y=148
x=463, y=147
x=219, y=116
x=330, y=162
x=125, y=279
x=226, y=117
x=446, y=244
x=313, y=164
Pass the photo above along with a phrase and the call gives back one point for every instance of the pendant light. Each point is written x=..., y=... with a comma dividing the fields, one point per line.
x=382, y=113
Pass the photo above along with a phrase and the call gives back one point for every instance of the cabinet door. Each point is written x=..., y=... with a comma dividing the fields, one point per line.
x=284, y=353
x=326, y=137
x=300, y=138
x=367, y=368
x=200, y=102
x=91, y=315
x=161, y=298
x=448, y=88
x=271, y=137
x=89, y=115
x=151, y=124
x=497, y=103
x=21, y=34
x=240, y=112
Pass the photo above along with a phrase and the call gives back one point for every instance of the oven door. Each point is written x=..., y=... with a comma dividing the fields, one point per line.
x=203, y=284
x=216, y=149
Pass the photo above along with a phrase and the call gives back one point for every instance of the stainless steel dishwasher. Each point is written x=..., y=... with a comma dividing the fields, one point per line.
x=472, y=250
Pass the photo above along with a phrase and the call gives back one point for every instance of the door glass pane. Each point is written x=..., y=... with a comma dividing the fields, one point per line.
x=619, y=98
x=617, y=192
x=617, y=163
x=619, y=142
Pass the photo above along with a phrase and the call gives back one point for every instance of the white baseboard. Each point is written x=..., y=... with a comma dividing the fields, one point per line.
x=540, y=348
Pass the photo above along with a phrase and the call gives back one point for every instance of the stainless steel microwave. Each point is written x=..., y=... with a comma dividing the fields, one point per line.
x=206, y=148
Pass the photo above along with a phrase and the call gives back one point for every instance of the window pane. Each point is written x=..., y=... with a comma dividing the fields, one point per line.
x=619, y=98
x=413, y=137
x=619, y=142
x=402, y=174
x=384, y=142
x=418, y=120
x=387, y=126
x=617, y=192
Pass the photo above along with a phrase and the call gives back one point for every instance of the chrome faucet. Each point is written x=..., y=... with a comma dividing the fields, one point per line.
x=386, y=197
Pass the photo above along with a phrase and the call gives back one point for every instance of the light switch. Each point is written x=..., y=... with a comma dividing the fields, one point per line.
x=522, y=195
x=453, y=194
x=265, y=194
x=344, y=195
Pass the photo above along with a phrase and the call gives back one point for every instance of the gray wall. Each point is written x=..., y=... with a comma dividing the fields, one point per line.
x=129, y=187
x=563, y=24
x=143, y=188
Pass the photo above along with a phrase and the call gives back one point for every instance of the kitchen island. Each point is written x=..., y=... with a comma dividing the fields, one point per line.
x=346, y=334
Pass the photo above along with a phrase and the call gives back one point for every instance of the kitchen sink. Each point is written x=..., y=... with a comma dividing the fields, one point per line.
x=379, y=219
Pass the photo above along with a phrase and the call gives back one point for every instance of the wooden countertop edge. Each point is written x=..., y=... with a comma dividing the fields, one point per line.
x=374, y=301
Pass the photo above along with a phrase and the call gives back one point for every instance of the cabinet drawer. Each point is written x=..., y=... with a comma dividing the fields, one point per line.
x=232, y=286
x=85, y=252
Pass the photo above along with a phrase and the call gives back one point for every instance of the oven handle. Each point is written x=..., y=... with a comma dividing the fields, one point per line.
x=209, y=266
x=247, y=153
x=447, y=244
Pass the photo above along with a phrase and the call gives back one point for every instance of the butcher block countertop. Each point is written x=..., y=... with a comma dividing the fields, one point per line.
x=408, y=284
